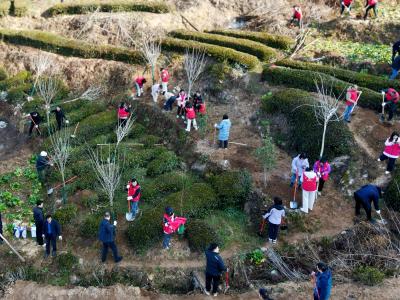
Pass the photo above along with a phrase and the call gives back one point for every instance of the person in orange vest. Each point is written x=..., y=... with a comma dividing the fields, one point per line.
x=371, y=4
x=139, y=82
x=123, y=113
x=164, y=79
x=190, y=117
x=297, y=16
x=352, y=96
x=322, y=168
x=391, y=99
x=391, y=151
x=309, y=187
x=134, y=194
x=345, y=4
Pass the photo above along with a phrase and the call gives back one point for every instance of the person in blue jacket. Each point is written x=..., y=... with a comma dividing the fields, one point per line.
x=224, y=127
x=107, y=236
x=365, y=196
x=51, y=230
x=215, y=267
x=323, y=282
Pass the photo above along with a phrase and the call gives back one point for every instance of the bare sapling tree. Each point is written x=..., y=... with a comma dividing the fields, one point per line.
x=41, y=64
x=48, y=87
x=92, y=93
x=61, y=150
x=194, y=63
x=326, y=108
x=266, y=154
x=123, y=128
x=108, y=171
x=150, y=47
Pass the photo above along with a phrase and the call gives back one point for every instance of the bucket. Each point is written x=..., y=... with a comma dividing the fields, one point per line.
x=33, y=231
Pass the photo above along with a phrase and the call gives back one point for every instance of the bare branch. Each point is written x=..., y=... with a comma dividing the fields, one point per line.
x=123, y=129
x=194, y=63
x=61, y=150
x=93, y=93
x=150, y=46
x=48, y=86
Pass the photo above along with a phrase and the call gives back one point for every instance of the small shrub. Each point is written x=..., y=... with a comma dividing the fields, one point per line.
x=271, y=40
x=20, y=78
x=65, y=214
x=200, y=235
x=259, y=50
x=90, y=226
x=232, y=188
x=256, y=257
x=149, y=140
x=3, y=72
x=66, y=261
x=19, y=93
x=391, y=195
x=368, y=275
x=97, y=124
x=163, y=164
x=140, y=158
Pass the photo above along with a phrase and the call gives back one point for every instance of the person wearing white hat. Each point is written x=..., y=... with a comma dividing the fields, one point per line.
x=42, y=163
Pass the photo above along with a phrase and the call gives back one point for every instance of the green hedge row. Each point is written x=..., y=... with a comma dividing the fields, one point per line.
x=68, y=47
x=220, y=53
x=304, y=79
x=304, y=133
x=392, y=193
x=271, y=40
x=84, y=7
x=263, y=52
x=372, y=82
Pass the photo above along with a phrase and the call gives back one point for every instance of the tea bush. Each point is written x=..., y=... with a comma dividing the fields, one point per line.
x=200, y=235
x=368, y=275
x=65, y=214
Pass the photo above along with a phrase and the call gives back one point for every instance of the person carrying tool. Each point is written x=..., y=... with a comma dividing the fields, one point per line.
x=42, y=164
x=391, y=97
x=139, y=83
x=224, y=128
x=299, y=164
x=391, y=151
x=107, y=237
x=275, y=214
x=345, y=4
x=322, y=279
x=352, y=96
x=51, y=230
x=395, y=68
x=297, y=16
x=365, y=196
x=155, y=90
x=190, y=117
x=182, y=99
x=371, y=4
x=164, y=79
x=39, y=221
x=60, y=117
x=309, y=187
x=35, y=119
x=322, y=168
x=170, y=225
x=123, y=113
x=214, y=268
x=134, y=194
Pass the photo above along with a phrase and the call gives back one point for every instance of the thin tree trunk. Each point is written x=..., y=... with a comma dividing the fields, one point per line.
x=152, y=73
x=323, y=139
x=265, y=177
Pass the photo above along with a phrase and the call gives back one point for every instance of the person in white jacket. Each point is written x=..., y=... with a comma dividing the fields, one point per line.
x=299, y=164
x=155, y=90
x=309, y=187
x=274, y=216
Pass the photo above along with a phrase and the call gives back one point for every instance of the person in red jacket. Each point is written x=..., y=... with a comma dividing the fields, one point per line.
x=309, y=187
x=345, y=4
x=352, y=96
x=371, y=4
x=391, y=151
x=139, y=82
x=123, y=113
x=297, y=16
x=322, y=168
x=134, y=194
x=190, y=117
x=391, y=99
x=164, y=79
x=170, y=225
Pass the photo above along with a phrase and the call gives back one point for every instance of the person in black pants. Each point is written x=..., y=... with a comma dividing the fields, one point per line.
x=51, y=229
x=365, y=196
x=395, y=50
x=215, y=267
x=35, y=119
x=39, y=221
x=107, y=236
x=371, y=4
x=60, y=117
x=1, y=229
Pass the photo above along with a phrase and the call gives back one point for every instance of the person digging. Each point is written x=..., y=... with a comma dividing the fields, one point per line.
x=364, y=197
x=42, y=164
x=134, y=194
x=391, y=97
x=171, y=224
x=35, y=119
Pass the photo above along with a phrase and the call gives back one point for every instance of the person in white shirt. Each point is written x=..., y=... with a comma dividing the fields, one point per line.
x=155, y=89
x=299, y=164
x=309, y=187
x=274, y=216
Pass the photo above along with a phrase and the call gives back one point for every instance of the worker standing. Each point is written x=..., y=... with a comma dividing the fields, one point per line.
x=39, y=221
x=51, y=230
x=134, y=194
x=107, y=237
x=164, y=79
x=60, y=117
x=214, y=268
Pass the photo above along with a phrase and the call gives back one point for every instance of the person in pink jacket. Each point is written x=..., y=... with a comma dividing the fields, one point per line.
x=391, y=151
x=322, y=168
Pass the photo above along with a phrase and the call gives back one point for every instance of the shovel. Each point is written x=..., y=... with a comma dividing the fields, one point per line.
x=51, y=190
x=262, y=227
x=76, y=128
x=226, y=281
x=355, y=104
x=12, y=248
x=382, y=116
x=128, y=215
x=293, y=204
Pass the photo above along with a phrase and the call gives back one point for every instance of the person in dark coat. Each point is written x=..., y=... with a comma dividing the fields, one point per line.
x=215, y=267
x=51, y=230
x=60, y=117
x=35, y=119
x=197, y=101
x=107, y=236
x=264, y=294
x=323, y=282
x=42, y=164
x=39, y=221
x=395, y=50
x=1, y=229
x=395, y=68
x=365, y=196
